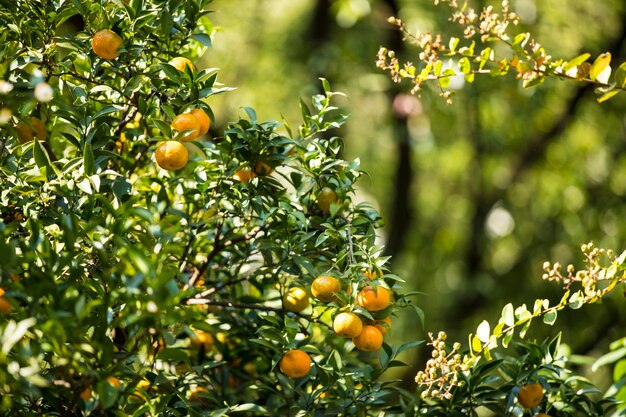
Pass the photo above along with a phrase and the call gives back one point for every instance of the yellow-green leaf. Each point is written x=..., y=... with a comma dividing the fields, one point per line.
x=606, y=96
x=600, y=64
x=576, y=61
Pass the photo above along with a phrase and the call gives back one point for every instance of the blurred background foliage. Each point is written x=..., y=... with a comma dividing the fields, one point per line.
x=477, y=194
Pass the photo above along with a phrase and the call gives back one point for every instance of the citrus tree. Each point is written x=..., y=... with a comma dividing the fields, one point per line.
x=150, y=265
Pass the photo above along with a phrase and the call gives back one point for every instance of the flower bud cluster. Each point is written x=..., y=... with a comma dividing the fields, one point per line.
x=590, y=278
x=442, y=373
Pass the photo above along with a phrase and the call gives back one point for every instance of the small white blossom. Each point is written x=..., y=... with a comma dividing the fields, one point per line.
x=43, y=92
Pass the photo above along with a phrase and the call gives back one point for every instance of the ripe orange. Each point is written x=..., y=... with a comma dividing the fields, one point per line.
x=180, y=63
x=171, y=155
x=202, y=339
x=296, y=299
x=325, y=197
x=105, y=43
x=530, y=395
x=114, y=381
x=373, y=299
x=185, y=122
x=347, y=324
x=380, y=326
x=295, y=363
x=263, y=168
x=194, y=394
x=26, y=133
x=5, y=306
x=325, y=287
x=203, y=119
x=244, y=175
x=86, y=393
x=369, y=340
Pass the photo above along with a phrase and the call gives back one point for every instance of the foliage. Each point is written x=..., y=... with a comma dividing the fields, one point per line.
x=131, y=290
x=449, y=373
x=475, y=55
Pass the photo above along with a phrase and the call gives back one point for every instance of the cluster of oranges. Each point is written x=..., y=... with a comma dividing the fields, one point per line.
x=366, y=335
x=171, y=155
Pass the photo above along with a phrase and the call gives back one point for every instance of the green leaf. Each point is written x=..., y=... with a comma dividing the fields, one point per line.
x=420, y=314
x=264, y=343
x=465, y=65
x=620, y=76
x=508, y=316
x=410, y=345
x=41, y=156
x=454, y=42
x=248, y=407
x=600, y=64
x=550, y=317
x=576, y=300
x=203, y=38
x=108, y=394
x=534, y=81
x=88, y=159
x=609, y=358
x=107, y=110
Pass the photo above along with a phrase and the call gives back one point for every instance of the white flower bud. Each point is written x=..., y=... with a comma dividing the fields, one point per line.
x=43, y=92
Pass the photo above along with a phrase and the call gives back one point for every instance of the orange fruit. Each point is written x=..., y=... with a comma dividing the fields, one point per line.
x=26, y=133
x=114, y=381
x=203, y=119
x=295, y=363
x=180, y=63
x=369, y=340
x=380, y=326
x=347, y=324
x=202, y=339
x=185, y=122
x=5, y=306
x=373, y=299
x=325, y=287
x=171, y=155
x=296, y=299
x=263, y=168
x=194, y=394
x=86, y=393
x=105, y=43
x=325, y=198
x=530, y=395
x=244, y=175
